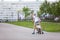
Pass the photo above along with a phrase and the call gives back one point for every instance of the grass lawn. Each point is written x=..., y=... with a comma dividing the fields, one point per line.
x=47, y=26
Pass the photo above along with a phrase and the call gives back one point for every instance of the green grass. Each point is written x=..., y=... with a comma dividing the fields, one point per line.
x=47, y=26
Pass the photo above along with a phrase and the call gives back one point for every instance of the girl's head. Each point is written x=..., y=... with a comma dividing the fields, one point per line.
x=34, y=13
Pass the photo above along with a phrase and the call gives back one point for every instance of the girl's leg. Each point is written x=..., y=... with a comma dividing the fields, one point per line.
x=34, y=29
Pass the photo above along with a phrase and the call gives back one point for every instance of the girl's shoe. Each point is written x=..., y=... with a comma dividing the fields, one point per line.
x=33, y=33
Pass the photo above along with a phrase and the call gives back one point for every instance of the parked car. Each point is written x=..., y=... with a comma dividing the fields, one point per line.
x=57, y=19
x=47, y=16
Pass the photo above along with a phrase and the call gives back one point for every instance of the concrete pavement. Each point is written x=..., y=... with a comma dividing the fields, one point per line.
x=13, y=32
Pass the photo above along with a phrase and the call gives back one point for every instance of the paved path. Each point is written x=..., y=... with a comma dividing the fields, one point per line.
x=13, y=32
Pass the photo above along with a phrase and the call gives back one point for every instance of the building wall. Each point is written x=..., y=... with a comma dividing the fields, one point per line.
x=9, y=10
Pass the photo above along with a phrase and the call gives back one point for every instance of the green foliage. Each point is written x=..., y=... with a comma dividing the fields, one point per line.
x=45, y=7
x=38, y=13
x=53, y=8
x=47, y=26
x=26, y=11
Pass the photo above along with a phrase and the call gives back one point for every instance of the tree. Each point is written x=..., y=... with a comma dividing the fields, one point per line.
x=57, y=9
x=53, y=8
x=45, y=7
x=26, y=11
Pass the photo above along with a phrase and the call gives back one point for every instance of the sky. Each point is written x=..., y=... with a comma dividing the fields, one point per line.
x=29, y=0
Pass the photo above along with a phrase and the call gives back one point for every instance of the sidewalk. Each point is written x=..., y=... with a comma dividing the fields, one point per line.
x=13, y=32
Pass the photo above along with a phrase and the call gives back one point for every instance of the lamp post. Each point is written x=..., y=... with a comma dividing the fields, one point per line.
x=18, y=15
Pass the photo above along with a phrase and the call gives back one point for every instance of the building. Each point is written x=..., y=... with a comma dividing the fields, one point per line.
x=9, y=10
